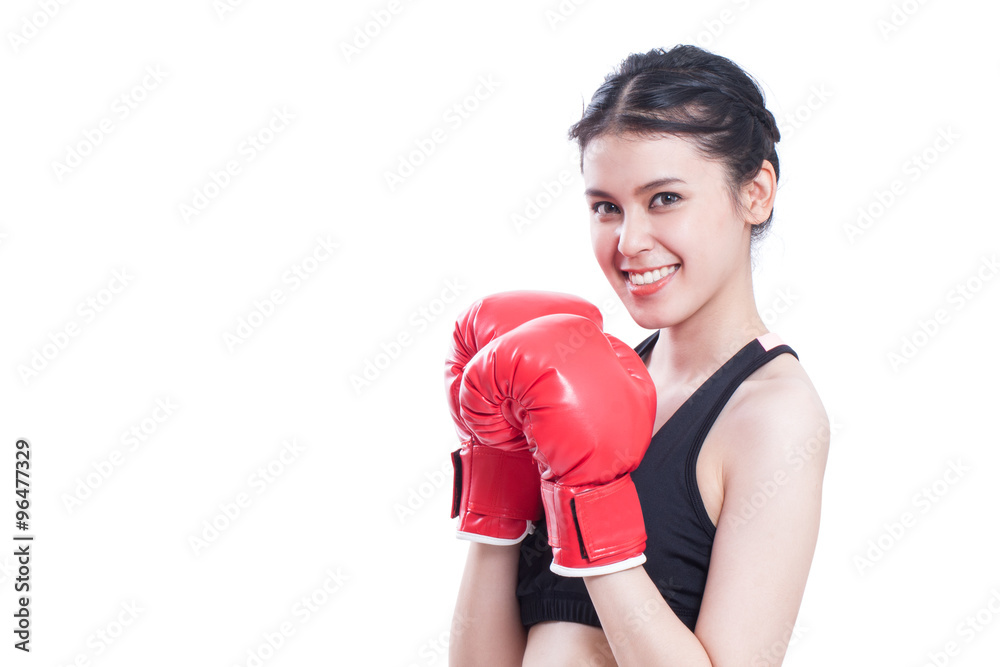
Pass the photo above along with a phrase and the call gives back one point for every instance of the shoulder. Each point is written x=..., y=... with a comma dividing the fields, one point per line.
x=776, y=437
x=774, y=418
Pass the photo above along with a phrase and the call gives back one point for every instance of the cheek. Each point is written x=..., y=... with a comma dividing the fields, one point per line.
x=604, y=243
x=708, y=237
x=711, y=258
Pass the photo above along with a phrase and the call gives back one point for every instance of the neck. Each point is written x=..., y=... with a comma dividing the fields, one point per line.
x=690, y=351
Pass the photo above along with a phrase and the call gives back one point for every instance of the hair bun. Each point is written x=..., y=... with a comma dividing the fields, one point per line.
x=766, y=119
x=759, y=112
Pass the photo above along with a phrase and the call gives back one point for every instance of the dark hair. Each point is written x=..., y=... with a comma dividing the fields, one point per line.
x=688, y=91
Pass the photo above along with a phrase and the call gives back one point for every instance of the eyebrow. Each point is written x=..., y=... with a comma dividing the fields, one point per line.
x=669, y=180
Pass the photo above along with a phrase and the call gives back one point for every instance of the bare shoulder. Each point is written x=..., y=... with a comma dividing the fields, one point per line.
x=772, y=459
x=773, y=417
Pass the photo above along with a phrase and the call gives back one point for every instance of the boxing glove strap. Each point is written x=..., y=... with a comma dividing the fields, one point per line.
x=496, y=483
x=598, y=527
x=456, y=485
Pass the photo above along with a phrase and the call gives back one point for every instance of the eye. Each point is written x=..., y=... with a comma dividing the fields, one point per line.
x=604, y=208
x=665, y=198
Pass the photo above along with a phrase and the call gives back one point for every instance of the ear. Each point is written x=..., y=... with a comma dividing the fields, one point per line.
x=758, y=194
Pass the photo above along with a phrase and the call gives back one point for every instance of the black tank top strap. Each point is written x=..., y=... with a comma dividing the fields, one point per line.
x=715, y=394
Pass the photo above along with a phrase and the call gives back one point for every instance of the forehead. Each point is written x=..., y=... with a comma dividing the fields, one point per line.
x=615, y=161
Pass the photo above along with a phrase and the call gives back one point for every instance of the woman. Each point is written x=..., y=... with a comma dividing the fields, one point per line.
x=680, y=170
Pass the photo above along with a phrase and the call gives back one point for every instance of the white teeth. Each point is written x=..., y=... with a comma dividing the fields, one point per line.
x=652, y=276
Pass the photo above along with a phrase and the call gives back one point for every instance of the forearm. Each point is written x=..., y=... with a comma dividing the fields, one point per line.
x=640, y=626
x=486, y=628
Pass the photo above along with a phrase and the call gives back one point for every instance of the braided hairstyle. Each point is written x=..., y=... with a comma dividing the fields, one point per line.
x=688, y=91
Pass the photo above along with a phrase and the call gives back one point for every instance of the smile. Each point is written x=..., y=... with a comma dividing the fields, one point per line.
x=648, y=277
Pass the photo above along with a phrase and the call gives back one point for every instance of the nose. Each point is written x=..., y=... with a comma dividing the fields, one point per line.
x=635, y=233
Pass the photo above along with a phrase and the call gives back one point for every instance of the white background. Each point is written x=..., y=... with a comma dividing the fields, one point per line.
x=363, y=506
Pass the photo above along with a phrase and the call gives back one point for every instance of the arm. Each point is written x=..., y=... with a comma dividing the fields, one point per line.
x=486, y=628
x=759, y=564
x=496, y=493
x=640, y=627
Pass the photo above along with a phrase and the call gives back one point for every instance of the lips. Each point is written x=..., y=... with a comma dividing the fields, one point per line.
x=649, y=276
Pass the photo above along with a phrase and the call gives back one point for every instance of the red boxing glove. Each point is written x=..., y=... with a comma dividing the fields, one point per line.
x=583, y=403
x=496, y=492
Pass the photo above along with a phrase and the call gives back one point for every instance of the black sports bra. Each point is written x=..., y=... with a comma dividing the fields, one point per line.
x=679, y=531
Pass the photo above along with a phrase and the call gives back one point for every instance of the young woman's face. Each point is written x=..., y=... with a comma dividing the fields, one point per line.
x=663, y=226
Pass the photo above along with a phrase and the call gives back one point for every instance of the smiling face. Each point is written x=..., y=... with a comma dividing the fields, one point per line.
x=664, y=228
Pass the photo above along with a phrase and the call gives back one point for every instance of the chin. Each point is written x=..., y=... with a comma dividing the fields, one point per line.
x=653, y=321
x=651, y=313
